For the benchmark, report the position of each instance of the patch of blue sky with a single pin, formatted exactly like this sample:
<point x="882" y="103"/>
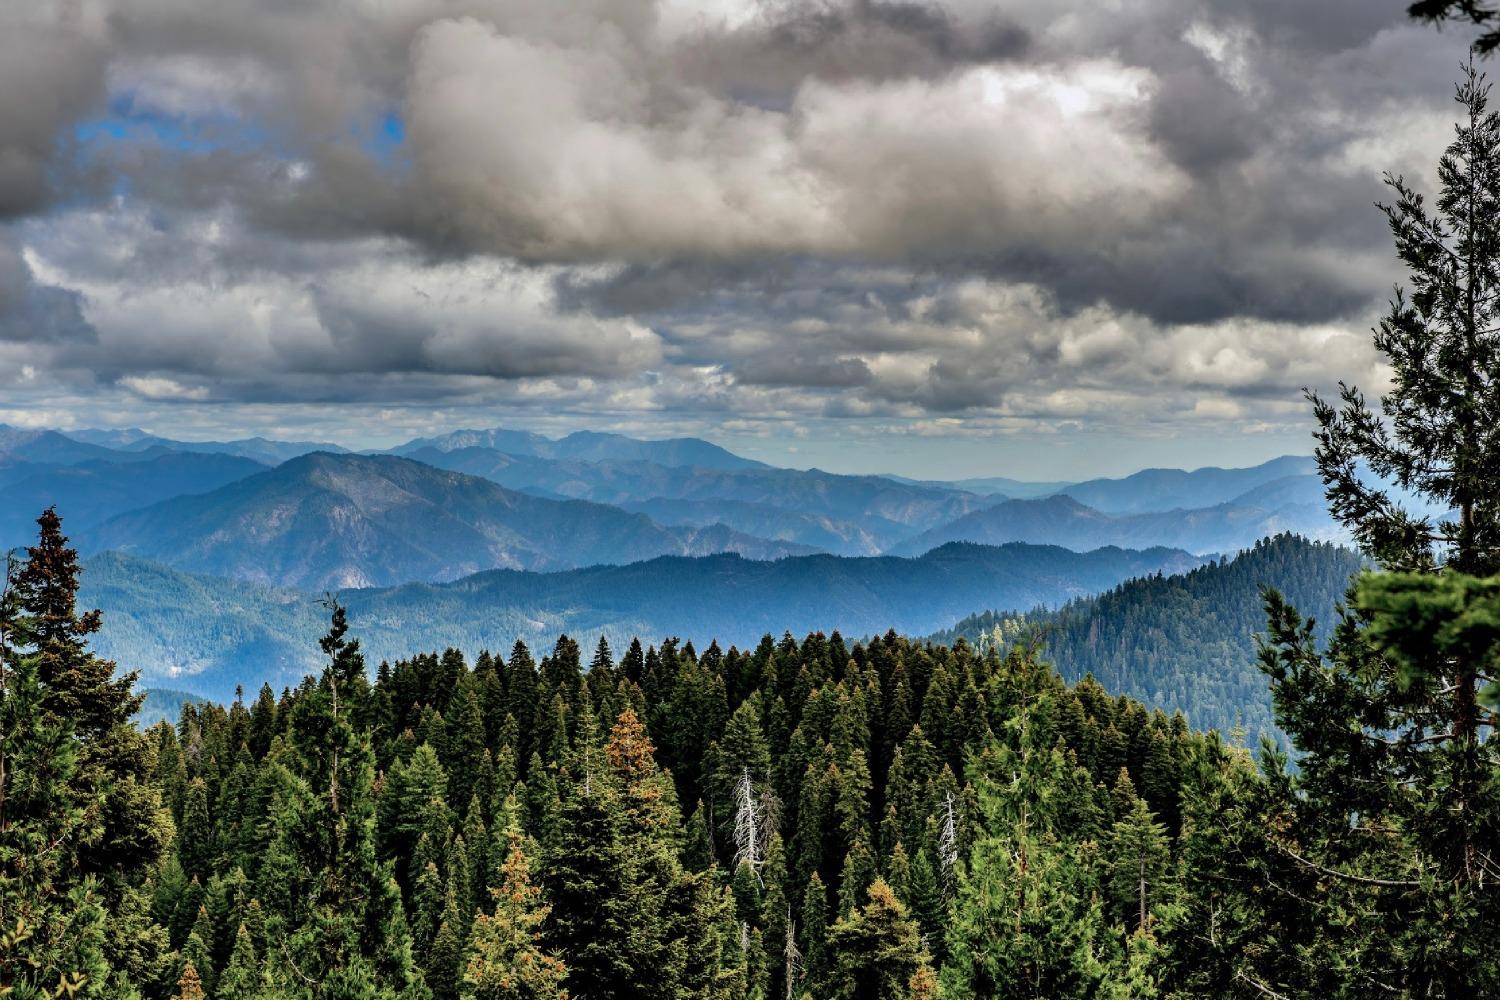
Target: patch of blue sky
<point x="385" y="141"/>
<point x="127" y="130"/>
<point x="125" y="124"/>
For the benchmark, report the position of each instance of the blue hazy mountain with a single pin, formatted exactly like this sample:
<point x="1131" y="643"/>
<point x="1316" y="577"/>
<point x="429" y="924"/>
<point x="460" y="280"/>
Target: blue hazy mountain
<point x="1015" y="489"/>
<point x="1062" y="520"/>
<point x="206" y="634"/>
<point x="587" y="446"/>
<point x="847" y="515"/>
<point x="23" y="444"/>
<point x="1171" y="489"/>
<point x="324" y="520"/>
<point x="263" y="450"/>
<point x="93" y="491"/>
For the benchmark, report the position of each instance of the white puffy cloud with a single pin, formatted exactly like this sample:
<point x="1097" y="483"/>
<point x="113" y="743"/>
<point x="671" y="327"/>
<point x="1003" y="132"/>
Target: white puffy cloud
<point x="542" y="150"/>
<point x="231" y="321"/>
<point x="892" y="216"/>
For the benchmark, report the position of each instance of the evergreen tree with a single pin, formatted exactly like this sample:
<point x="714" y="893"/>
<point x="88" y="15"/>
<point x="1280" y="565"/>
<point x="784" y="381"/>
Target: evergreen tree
<point x="876" y="949"/>
<point x="80" y="687"/>
<point x="506" y="960"/>
<point x="815" y="960"/>
<point x="195" y="951"/>
<point x="242" y="978"/>
<point x="327" y="830"/>
<point x="1138" y="857"/>
<point x="588" y="879"/>
<point x="445" y="958"/>
<point x="1394" y="812"/>
<point x="190" y="987"/>
<point x="1027" y="919"/>
<point x="81" y="821"/>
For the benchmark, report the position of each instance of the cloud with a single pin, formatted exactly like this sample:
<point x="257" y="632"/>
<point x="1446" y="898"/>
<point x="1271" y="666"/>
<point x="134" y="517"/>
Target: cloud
<point x="52" y="72"/>
<point x="549" y="152"/>
<point x="230" y="316"/>
<point x="157" y="388"/>
<point x="865" y="213"/>
<point x="34" y="313"/>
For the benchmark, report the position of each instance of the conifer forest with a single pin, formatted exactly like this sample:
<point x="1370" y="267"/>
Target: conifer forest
<point x="484" y="716"/>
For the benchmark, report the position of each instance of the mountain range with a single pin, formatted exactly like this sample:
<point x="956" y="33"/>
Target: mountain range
<point x="260" y="449"/>
<point x="587" y="446"/>
<point x="1171" y="489"/>
<point x="847" y="515"/>
<point x="96" y="490"/>
<point x="1270" y="509"/>
<point x="208" y="557"/>
<point x="206" y="634"/>
<point x="329" y="521"/>
<point x="271" y="512"/>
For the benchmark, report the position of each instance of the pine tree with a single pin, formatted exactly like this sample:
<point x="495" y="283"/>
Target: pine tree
<point x="428" y="900"/>
<point x="407" y="803"/>
<point x="815" y="960"/>
<point x="1025" y="925"/>
<point x="589" y="880"/>
<point x="194" y="839"/>
<point x="190" y="987"/>
<point x="1394" y="811"/>
<point x="506" y="960"/>
<point x="1138" y="856"/>
<point x="1027" y="919"/>
<point x="445" y="959"/>
<point x="326" y="830"/>
<point x="242" y="978"/>
<point x="81" y="822"/>
<point x="876" y="950"/>
<point x="477" y="840"/>
<point x="113" y="756"/>
<point x="464" y="725"/>
<point x="195" y="951"/>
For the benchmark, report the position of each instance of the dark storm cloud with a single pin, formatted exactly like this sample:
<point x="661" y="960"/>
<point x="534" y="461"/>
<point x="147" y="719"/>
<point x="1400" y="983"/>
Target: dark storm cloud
<point x="805" y="371"/>
<point x="1039" y="208"/>
<point x="33" y="313"/>
<point x="768" y="57"/>
<point x="51" y="74"/>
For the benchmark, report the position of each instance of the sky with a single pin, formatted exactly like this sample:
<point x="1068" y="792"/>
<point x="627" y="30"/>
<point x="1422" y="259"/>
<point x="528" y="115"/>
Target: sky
<point x="1046" y="239"/>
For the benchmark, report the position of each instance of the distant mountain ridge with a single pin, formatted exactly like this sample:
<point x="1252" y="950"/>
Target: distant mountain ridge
<point x="324" y="520"/>
<point x="701" y="495"/>
<point x="848" y="515"/>
<point x="1014" y="489"/>
<point x="51" y="447"/>
<point x="1063" y="520"/>
<point x="1152" y="490"/>
<point x="588" y="446"/>
<point x="95" y="490"/>
<point x="207" y="634"/>
<point x="263" y="450"/>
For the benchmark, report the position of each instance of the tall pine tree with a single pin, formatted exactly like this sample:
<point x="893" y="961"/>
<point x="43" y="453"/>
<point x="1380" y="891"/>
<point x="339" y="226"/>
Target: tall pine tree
<point x="1394" y="813"/>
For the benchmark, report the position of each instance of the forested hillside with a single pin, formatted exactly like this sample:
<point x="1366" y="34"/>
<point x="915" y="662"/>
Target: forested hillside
<point x="885" y="819"/>
<point x="1184" y="642"/>
<point x="670" y="822"/>
<point x="210" y="634"/>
